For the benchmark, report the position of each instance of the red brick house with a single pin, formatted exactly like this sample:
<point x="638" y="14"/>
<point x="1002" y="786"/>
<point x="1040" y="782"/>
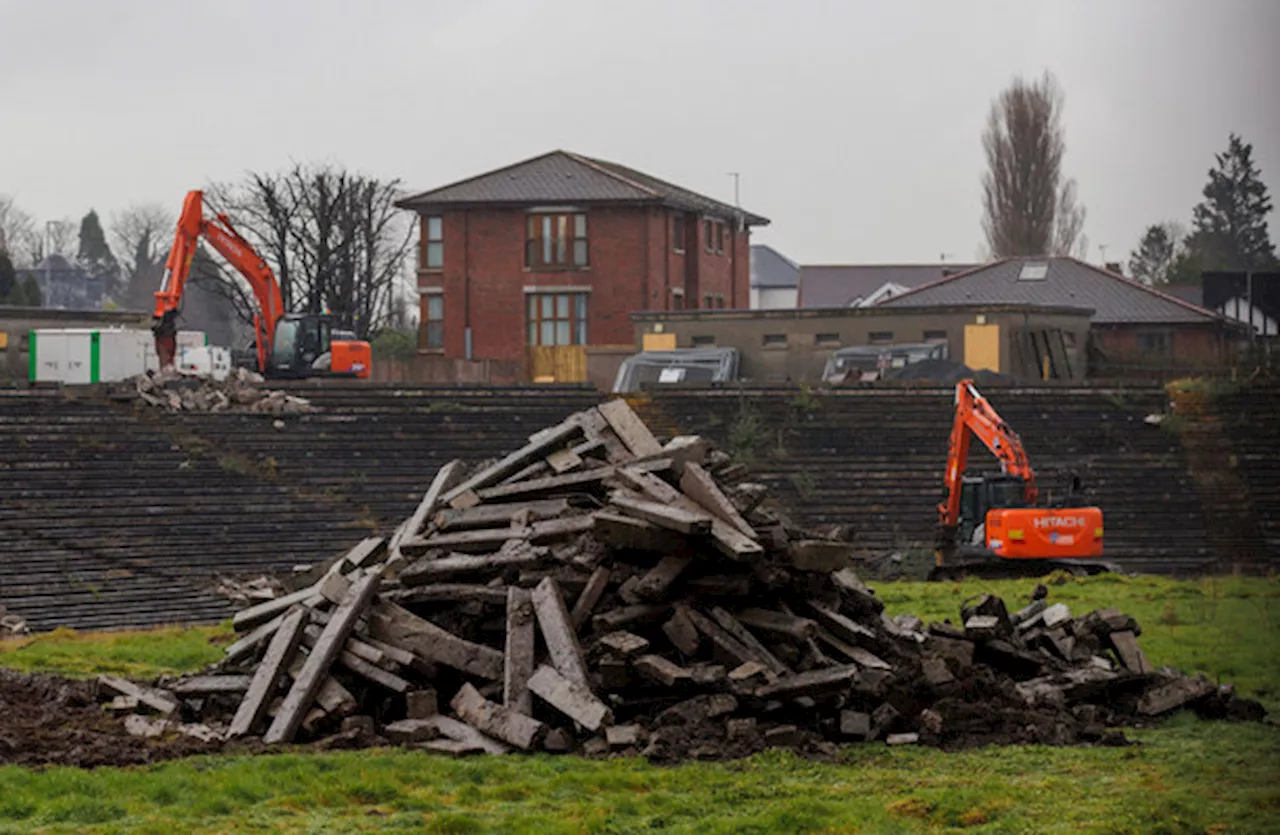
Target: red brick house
<point x="530" y="267"/>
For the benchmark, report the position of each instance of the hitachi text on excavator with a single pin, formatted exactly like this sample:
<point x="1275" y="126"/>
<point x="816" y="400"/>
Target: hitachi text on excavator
<point x="286" y="345"/>
<point x="990" y="525"/>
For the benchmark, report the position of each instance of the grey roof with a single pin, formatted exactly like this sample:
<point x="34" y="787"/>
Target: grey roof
<point x="1114" y="298"/>
<point x="1193" y="293"/>
<point x="770" y="268"/>
<point x="562" y="176"/>
<point x="840" y="285"/>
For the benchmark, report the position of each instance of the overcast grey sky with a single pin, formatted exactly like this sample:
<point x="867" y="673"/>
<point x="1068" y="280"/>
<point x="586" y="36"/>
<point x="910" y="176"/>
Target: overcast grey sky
<point x="855" y="125"/>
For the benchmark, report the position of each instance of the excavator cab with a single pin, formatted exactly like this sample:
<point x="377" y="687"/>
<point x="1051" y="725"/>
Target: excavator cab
<point x="979" y="494"/>
<point x="305" y="346"/>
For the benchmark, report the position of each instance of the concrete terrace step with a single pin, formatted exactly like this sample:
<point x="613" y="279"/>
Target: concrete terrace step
<point x="107" y="506"/>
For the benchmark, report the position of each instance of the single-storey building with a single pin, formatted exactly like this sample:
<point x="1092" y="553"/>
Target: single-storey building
<point x="1134" y="327"/>
<point x="525" y="270"/>
<point x="1026" y="341"/>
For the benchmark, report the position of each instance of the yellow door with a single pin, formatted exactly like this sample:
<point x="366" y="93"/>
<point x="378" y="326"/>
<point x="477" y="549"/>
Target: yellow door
<point x="558" y="363"/>
<point x="659" y="342"/>
<point x="982" y="347"/>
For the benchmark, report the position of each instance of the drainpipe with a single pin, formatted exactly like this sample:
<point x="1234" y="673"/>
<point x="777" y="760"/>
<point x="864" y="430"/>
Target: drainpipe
<point x="733" y="262"/>
<point x="466" y="282"/>
<point x="644" y="282"/>
<point x="666" y="262"/>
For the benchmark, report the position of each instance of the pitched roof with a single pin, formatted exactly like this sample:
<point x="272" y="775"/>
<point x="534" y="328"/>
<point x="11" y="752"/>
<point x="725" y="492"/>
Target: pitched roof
<point x="562" y="176"/>
<point x="1114" y="298"/>
<point x="840" y="285"/>
<point x="770" y="268"/>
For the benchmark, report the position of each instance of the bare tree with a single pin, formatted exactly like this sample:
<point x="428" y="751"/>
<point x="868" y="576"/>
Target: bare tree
<point x="17" y="230"/>
<point x="142" y="235"/>
<point x="1027" y="207"/>
<point x="333" y="238"/>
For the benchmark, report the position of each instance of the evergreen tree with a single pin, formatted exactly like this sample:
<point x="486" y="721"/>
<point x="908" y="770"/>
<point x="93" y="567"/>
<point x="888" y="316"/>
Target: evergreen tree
<point x="1229" y="227"/>
<point x="27" y="294"/>
<point x="1154" y="259"/>
<point x="8" y="277"/>
<point x="95" y="255"/>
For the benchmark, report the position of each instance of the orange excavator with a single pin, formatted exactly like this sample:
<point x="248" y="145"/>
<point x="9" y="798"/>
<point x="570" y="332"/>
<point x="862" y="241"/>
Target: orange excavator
<point x="990" y="525"/>
<point x="286" y="345"/>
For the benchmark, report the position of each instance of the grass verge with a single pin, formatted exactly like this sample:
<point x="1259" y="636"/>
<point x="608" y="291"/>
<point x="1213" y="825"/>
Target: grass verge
<point x="1189" y="777"/>
<point x="138" y="654"/>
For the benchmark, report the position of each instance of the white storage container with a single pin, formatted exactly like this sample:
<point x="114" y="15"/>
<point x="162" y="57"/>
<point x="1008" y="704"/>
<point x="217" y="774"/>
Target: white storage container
<point x="76" y="356"/>
<point x="191" y="339"/>
<point x="204" y="361"/>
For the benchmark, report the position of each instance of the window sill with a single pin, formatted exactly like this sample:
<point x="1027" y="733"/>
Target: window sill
<point x="557" y="269"/>
<point x="431" y="352"/>
<point x="430" y="270"/>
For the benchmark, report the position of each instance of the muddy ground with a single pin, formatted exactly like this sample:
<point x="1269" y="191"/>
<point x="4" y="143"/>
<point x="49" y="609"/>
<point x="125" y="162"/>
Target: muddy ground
<point x="50" y="720"/>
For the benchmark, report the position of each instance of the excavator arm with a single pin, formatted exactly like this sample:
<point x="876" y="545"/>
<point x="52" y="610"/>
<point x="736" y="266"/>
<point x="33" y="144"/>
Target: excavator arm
<point x="231" y="245"/>
<point x="974" y="416"/>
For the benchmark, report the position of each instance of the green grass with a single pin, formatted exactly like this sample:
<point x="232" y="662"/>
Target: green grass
<point x="1185" y="776"/>
<point x="141" y="654"/>
<point x="1190" y="777"/>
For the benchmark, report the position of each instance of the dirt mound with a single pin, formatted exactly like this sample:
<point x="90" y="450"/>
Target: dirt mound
<point x="49" y="720"/>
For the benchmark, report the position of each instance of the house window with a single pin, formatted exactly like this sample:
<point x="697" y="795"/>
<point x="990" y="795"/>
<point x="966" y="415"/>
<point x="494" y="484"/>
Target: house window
<point x="557" y="319"/>
<point x="707" y="242"/>
<point x="774" y="340"/>
<point x="432" y="322"/>
<point x="935" y="336"/>
<point x="719" y="238"/>
<point x="677" y="299"/>
<point x="677" y="233"/>
<point x="704" y="341"/>
<point x="827" y="340"/>
<point x="880" y="337"/>
<point x="433" y="243"/>
<point x="713" y="301"/>
<point x="1154" y="342"/>
<point x="556" y="241"/>
<point x="719" y="299"/>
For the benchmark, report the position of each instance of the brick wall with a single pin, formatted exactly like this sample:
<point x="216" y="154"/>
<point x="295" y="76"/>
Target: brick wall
<point x="634" y="265"/>
<point x="1184" y="345"/>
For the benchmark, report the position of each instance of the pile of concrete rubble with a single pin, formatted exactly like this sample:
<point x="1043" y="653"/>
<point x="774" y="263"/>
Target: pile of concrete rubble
<point x="599" y="592"/>
<point x="241" y="390"/>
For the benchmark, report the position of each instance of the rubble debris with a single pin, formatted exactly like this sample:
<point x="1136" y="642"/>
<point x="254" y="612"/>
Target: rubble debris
<point x="11" y="625"/>
<point x="241" y="391"/>
<point x="600" y="592"/>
